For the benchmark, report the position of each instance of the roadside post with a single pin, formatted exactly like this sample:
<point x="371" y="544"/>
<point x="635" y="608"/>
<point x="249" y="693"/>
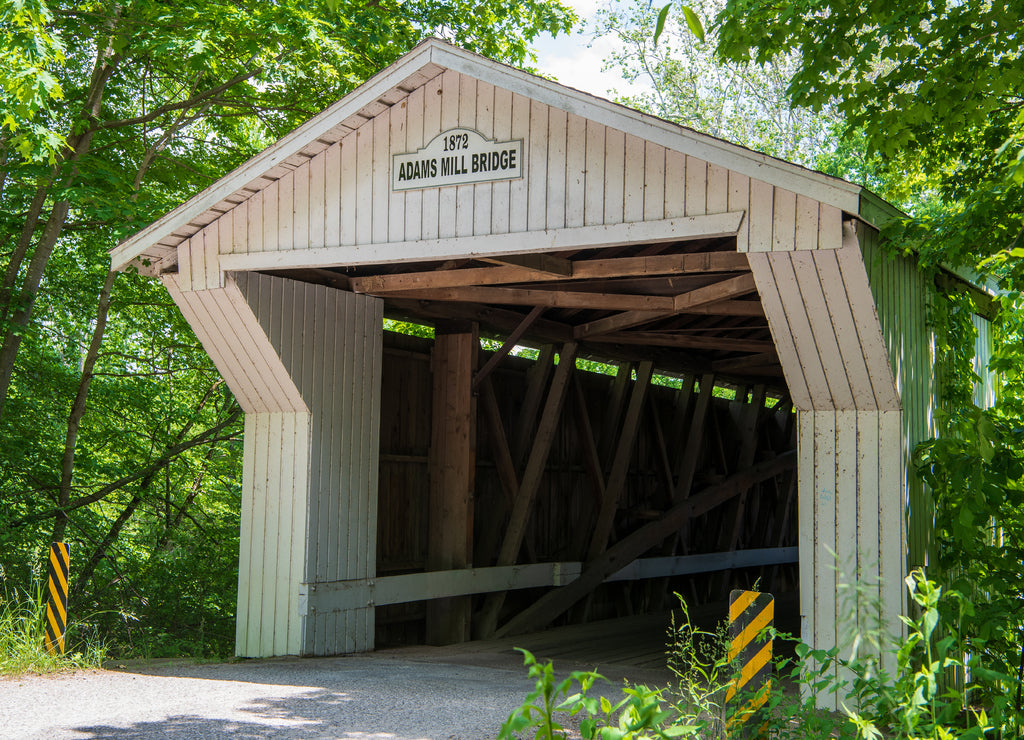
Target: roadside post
<point x="749" y="613"/>
<point x="57" y="597"/>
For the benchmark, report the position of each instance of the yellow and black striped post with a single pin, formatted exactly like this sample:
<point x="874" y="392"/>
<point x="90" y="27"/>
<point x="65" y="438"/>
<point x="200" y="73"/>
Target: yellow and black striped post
<point x="57" y="598"/>
<point x="749" y="613"/>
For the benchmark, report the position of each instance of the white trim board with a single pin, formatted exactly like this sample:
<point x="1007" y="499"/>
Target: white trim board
<point x="549" y="240"/>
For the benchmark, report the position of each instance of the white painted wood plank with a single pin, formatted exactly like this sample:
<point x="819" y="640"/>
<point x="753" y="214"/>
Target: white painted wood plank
<point x="254" y="238"/>
<point x="271" y="211"/>
<point x="316" y="212"/>
<point x="841" y="315"/>
<point x="349" y="185"/>
<point x="676" y="229"/>
<point x="347" y="432"/>
<point x="381" y="178"/>
<point x="633" y="182"/>
<point x="739" y="200"/>
<point x="823" y="333"/>
<point x="869" y="330"/>
<point x="696" y="186"/>
<point x="718" y="189"/>
<point x="271" y="536"/>
<point x="450" y="109"/>
<point x="500" y="191"/>
<point x="830" y="227"/>
<point x="300" y="504"/>
<point x="259" y="527"/>
<point x="825" y="529"/>
<point x="483" y="193"/>
<point x="783" y="221"/>
<point x="556" y="170"/>
<point x="675" y="185"/>
<point x="846" y="534"/>
<point x="761" y="216"/>
<point x="301" y="206"/>
<point x="782" y="334"/>
<point x="615" y="176"/>
<point x="364" y="184"/>
<point x="398" y="145"/>
<point x="575" y="170"/>
<point x="654" y="182"/>
<point x="433" y="92"/>
<point x="806" y="223"/>
<point x="286" y="212"/>
<point x="805" y="524"/>
<point x="196" y="275"/>
<point x="594" y="176"/>
<point x="868" y="519"/>
<point x="245" y="551"/>
<point x="185" y="268"/>
<point x="239" y="228"/>
<point x="332" y="197"/>
<point x="800" y="330"/>
<point x="464" y="211"/>
<point x="414" y="141"/>
<point x="211" y="248"/>
<point x="536" y="156"/>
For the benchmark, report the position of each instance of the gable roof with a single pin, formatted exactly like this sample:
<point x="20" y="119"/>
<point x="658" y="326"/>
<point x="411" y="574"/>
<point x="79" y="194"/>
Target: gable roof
<point x="153" y="249"/>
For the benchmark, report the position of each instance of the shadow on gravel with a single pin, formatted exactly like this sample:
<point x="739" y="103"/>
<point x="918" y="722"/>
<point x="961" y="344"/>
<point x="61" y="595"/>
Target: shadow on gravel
<point x="319" y="714"/>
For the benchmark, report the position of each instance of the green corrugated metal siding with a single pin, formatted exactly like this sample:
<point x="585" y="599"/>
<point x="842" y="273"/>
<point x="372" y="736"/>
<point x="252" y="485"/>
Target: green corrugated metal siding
<point x="901" y="298"/>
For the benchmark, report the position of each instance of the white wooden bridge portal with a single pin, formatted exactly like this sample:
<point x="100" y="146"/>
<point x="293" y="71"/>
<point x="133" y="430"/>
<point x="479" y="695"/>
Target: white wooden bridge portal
<point x="457" y="192"/>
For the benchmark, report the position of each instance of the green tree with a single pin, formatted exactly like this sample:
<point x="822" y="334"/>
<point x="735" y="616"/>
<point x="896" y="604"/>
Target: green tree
<point x="117" y="433"/>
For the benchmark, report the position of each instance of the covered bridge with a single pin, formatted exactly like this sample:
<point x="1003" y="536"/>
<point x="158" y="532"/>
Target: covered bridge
<point x="771" y="369"/>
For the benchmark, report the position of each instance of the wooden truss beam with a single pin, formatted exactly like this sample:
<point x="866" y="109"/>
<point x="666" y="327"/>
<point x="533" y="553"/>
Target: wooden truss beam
<point x="667" y="264"/>
<point x="548" y="298"/>
<point x="508" y="345"/>
<point x="720" y="291"/>
<point x="530" y="482"/>
<point x="686" y="341"/>
<point x="538" y="262"/>
<point x="556" y="602"/>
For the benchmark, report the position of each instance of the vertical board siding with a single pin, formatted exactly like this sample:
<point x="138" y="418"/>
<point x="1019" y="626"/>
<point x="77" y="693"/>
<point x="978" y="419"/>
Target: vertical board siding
<point x="576" y="172"/>
<point x="335" y="360"/>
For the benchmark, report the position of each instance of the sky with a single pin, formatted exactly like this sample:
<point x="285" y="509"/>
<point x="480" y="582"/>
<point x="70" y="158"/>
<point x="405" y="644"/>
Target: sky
<point x="571" y="62"/>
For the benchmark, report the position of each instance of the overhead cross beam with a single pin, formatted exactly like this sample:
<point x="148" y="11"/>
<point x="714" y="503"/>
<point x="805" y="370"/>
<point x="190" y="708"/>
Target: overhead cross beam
<point x="720" y="291"/>
<point x="666" y="264"/>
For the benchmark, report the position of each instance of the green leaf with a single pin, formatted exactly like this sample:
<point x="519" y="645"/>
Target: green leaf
<point x="696" y="28"/>
<point x="659" y="27"/>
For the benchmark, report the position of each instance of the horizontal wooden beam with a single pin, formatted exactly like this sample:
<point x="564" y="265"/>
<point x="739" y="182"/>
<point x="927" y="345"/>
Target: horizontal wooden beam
<point x="720" y="291"/>
<point x="758" y="360"/>
<point x="338" y="596"/>
<point x="499" y="318"/>
<point x="686" y="341"/>
<point x="597" y="269"/>
<point x="547" y="298"/>
<point x="493" y="245"/>
<point x="538" y="262"/>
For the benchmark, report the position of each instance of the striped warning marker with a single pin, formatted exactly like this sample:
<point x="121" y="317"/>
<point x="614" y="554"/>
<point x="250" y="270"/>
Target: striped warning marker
<point x="57" y="598"/>
<point x="749" y="613"/>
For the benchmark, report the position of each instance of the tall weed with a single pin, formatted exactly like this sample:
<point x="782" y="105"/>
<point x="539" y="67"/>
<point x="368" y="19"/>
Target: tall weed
<point x="22" y="633"/>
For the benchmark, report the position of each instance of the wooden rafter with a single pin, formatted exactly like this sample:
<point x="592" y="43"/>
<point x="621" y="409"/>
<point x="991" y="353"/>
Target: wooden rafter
<point x="720" y="291"/>
<point x="548" y="298"/>
<point x="508" y="345"/>
<point x="711" y="262"/>
<point x="686" y="341"/>
<point x="539" y="262"/>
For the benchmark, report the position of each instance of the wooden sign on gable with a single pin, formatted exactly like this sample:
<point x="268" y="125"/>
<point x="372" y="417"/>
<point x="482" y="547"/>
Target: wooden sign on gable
<point x="458" y="156"/>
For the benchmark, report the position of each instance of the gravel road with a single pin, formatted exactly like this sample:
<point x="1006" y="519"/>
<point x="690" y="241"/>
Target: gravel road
<point x="380" y="696"/>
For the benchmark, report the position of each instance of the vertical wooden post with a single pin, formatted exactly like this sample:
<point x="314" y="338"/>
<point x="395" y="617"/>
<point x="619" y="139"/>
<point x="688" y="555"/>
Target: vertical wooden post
<point x="452" y="467"/>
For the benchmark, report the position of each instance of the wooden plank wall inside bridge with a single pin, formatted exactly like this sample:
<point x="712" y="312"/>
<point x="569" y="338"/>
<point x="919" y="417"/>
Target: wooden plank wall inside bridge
<point x="729" y="437"/>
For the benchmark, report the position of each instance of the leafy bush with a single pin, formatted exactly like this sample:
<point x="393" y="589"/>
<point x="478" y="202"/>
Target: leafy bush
<point x="931" y="692"/>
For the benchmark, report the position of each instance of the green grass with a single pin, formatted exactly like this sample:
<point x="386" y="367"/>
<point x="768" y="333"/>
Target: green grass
<point x="22" y="633"/>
